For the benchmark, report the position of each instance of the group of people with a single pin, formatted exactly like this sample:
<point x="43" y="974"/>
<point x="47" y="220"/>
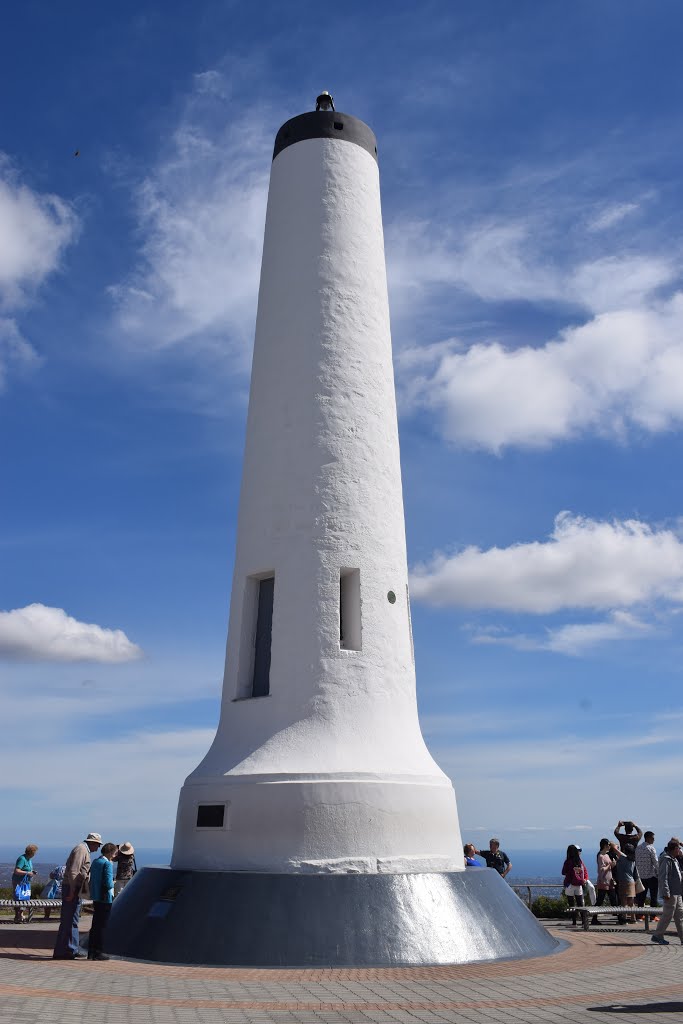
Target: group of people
<point x="629" y="871"/>
<point x="494" y="857"/>
<point x="82" y="874"/>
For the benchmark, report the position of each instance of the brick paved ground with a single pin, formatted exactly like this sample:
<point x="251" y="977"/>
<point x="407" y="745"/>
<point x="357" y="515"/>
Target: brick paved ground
<point x="602" y="976"/>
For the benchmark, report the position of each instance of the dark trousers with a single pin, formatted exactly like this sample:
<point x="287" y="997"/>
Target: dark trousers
<point x="100" y="917"/>
<point x="650" y="889"/>
<point x="67" y="936"/>
<point x="611" y="894"/>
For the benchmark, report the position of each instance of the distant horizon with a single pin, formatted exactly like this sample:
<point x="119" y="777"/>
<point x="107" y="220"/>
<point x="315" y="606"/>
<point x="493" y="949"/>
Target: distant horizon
<point x="535" y="281"/>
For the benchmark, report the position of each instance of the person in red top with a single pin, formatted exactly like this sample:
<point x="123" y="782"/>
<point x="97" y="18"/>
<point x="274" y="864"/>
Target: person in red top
<point x="575" y="874"/>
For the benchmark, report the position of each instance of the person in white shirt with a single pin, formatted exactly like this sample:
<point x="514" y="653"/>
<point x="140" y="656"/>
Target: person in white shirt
<point x="647" y="863"/>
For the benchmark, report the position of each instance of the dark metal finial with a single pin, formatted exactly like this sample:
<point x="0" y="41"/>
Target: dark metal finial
<point x="324" y="101"/>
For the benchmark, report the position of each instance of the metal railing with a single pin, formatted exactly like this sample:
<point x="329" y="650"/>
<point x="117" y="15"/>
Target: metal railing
<point x="517" y="886"/>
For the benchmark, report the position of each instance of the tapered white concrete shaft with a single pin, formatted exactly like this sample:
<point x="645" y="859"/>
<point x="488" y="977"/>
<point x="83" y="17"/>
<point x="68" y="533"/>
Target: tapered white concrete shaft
<point x="329" y="771"/>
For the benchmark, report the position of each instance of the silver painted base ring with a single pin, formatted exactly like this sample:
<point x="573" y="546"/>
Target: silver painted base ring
<point x="245" y="919"/>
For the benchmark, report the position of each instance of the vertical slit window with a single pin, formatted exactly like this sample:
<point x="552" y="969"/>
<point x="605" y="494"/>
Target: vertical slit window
<point x="349" y="610"/>
<point x="260" y="684"/>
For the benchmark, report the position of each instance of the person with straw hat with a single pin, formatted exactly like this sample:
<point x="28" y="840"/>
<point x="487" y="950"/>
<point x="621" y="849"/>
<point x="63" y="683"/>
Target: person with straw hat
<point x="125" y="866"/>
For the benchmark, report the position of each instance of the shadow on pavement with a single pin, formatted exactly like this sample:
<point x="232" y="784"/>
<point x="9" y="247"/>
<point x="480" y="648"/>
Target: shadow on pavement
<point x="638" y="1008"/>
<point x="26" y="937"/>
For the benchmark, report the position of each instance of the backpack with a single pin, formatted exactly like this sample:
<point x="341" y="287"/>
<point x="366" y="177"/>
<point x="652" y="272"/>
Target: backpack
<point x="578" y="874"/>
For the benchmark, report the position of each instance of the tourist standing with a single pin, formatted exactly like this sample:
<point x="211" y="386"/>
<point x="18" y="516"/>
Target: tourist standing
<point x="647" y="863"/>
<point x="605" y="885"/>
<point x="74" y="888"/>
<point x="496" y="858"/>
<point x="23" y="869"/>
<point x="631" y="834"/>
<point x="125" y="866"/>
<point x="627" y="876"/>
<point x="575" y="875"/>
<point x="470" y="852"/>
<point x="671" y="891"/>
<point x="102" y="892"/>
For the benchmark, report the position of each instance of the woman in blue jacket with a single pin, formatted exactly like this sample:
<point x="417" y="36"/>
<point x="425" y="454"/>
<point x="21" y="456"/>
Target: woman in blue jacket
<point x="102" y="893"/>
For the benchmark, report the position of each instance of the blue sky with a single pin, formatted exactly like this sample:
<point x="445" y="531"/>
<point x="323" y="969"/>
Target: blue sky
<point x="530" y="158"/>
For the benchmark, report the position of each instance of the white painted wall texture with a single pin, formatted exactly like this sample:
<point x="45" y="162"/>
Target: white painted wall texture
<point x="330" y="771"/>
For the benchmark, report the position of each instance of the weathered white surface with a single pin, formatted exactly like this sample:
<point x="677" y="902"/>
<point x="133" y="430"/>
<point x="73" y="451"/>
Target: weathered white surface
<point x="330" y="771"/>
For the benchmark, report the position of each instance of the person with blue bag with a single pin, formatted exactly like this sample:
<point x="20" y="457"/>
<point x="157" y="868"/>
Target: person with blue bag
<point x="53" y="891"/>
<point x="21" y="879"/>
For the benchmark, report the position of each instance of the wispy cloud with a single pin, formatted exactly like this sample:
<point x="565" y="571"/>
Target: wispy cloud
<point x="162" y="758"/>
<point x="610" y="215"/>
<point x="537" y="762"/>
<point x="527" y="314"/>
<point x="16" y="353"/>
<point x="574" y="638"/>
<point x="49" y="634"/>
<point x="200" y="215"/>
<point x="585" y="563"/>
<point x="35" y="230"/>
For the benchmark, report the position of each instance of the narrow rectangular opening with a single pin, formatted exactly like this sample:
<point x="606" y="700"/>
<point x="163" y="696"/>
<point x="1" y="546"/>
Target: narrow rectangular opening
<point x="260" y="683"/>
<point x="210" y="815"/>
<point x="349" y="610"/>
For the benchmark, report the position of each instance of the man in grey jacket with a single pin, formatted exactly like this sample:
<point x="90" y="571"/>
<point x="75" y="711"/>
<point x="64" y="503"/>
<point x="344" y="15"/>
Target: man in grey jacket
<point x="671" y="891"/>
<point x="74" y="888"/>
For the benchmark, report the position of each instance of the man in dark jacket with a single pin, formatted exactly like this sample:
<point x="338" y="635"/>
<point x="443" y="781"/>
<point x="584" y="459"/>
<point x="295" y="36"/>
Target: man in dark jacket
<point x="671" y="892"/>
<point x="496" y="858"/>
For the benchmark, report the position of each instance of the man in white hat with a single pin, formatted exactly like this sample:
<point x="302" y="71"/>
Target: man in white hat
<point x="125" y="866"/>
<point x="74" y="888"/>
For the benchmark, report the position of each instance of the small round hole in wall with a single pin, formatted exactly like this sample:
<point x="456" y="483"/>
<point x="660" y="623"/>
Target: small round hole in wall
<point x="391" y="597"/>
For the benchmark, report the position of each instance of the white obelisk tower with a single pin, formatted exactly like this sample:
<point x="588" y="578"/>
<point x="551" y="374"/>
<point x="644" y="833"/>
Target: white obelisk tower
<point x="318" y="829"/>
<point x="319" y="763"/>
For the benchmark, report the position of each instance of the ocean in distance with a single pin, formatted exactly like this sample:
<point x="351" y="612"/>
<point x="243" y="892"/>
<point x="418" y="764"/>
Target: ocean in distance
<point x="528" y="866"/>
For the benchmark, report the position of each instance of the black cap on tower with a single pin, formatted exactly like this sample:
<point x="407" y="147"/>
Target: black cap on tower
<point x="325" y="123"/>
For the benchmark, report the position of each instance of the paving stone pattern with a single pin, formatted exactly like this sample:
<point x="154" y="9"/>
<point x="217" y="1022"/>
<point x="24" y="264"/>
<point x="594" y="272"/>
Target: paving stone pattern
<point x="616" y="976"/>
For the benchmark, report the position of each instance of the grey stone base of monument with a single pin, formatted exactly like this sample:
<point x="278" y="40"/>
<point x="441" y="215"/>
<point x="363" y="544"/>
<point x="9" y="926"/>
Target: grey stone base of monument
<point x="245" y="919"/>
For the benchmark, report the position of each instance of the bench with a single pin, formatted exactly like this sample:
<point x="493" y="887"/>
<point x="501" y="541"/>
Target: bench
<point x="32" y="905"/>
<point x="587" y="913"/>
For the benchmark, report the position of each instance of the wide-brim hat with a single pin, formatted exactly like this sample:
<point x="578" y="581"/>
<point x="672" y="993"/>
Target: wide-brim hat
<point x="127" y="849"/>
<point x="94" y="837"/>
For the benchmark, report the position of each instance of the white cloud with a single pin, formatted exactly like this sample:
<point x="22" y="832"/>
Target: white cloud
<point x="585" y="563"/>
<point x="574" y="638"/>
<point x="15" y="350"/>
<point x="35" y="228"/>
<point x="49" y="634"/>
<point x="512" y="260"/>
<point x="611" y="215"/>
<point x="161" y="759"/>
<point x="200" y="213"/>
<point x="536" y="761"/>
<point x="620" y="371"/>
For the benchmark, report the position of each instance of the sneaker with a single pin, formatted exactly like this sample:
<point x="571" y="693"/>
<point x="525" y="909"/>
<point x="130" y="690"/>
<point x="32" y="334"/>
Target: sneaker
<point x="660" y="940"/>
<point x="100" y="956"/>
